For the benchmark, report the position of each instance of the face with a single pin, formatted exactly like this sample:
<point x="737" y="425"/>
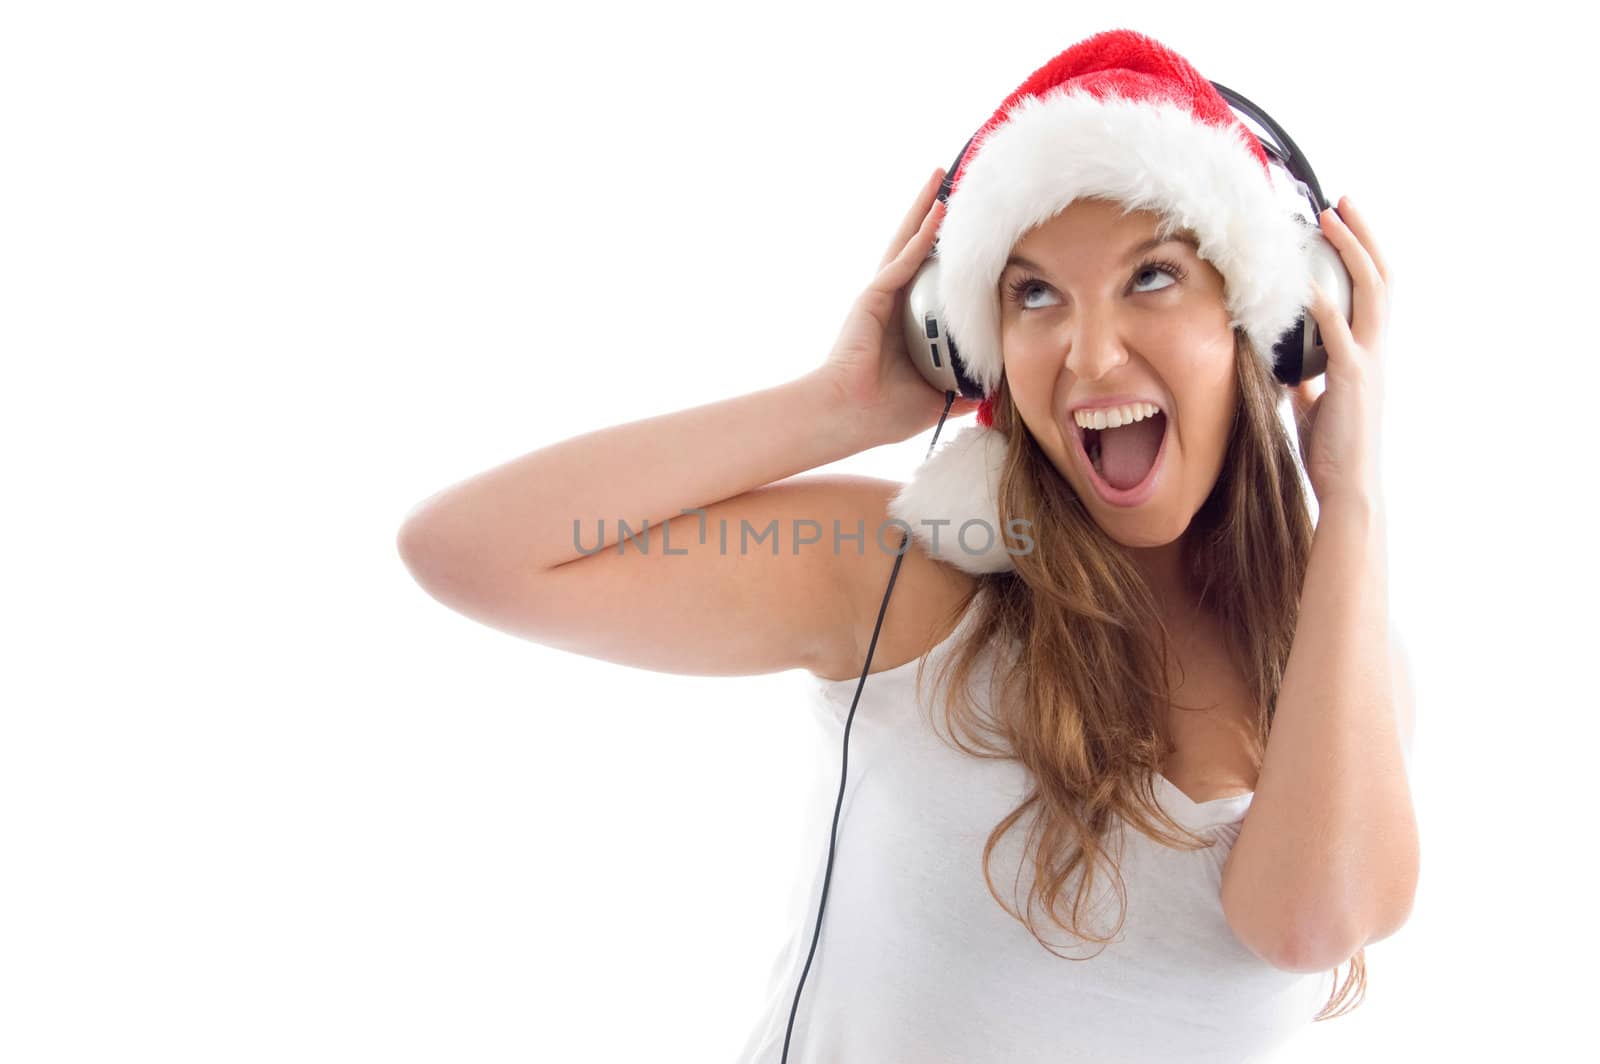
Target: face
<point x="1089" y="321"/>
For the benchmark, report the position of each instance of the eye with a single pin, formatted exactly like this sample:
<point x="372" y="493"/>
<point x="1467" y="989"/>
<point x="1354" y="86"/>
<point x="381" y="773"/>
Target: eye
<point x="1171" y="269"/>
<point x="1019" y="289"/>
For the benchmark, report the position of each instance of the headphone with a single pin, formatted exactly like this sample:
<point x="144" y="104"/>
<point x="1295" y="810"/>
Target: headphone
<point x="1298" y="355"/>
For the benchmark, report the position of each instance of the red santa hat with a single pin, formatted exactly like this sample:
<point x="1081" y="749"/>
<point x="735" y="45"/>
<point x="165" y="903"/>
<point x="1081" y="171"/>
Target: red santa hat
<point x="1117" y="116"/>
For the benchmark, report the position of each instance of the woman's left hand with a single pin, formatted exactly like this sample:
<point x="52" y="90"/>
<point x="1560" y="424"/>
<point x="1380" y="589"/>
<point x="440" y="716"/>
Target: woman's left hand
<point x="1339" y="423"/>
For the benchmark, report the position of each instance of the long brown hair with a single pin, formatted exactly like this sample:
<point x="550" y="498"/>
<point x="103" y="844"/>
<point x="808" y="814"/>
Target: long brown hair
<point x="1086" y="683"/>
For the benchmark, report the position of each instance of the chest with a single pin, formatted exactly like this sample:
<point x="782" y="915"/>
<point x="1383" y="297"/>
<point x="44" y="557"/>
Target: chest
<point x="1212" y="719"/>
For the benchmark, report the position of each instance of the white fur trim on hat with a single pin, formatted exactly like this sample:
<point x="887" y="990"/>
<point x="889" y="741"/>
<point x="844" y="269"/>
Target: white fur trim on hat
<point x="960" y="483"/>
<point x="1149" y="154"/>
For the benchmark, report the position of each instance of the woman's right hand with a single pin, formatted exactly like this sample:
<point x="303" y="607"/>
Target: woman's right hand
<point x="869" y="363"/>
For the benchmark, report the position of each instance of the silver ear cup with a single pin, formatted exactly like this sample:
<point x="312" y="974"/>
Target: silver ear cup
<point x="1300" y="354"/>
<point x="928" y="341"/>
<point x="1331" y="275"/>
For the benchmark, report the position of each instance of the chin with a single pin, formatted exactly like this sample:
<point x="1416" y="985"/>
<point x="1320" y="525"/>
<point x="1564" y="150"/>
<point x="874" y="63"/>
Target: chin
<point x="1146" y="528"/>
<point x="1158" y="522"/>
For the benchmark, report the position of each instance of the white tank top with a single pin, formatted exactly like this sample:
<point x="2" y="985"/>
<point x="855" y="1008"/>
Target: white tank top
<point x="917" y="963"/>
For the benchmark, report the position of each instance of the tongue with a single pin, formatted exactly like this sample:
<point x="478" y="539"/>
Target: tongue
<point x="1128" y="452"/>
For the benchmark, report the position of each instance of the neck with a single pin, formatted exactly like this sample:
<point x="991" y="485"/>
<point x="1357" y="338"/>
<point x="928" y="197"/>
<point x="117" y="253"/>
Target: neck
<point x="1164" y="573"/>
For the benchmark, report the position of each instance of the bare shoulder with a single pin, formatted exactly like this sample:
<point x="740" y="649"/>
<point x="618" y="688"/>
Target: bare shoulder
<point x="926" y="590"/>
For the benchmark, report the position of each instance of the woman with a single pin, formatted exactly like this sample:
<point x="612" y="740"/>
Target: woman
<point x="1058" y="865"/>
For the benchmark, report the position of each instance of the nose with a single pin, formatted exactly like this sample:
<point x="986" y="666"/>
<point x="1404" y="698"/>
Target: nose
<point x="1094" y="345"/>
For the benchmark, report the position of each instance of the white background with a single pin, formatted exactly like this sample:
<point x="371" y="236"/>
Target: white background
<point x="274" y="273"/>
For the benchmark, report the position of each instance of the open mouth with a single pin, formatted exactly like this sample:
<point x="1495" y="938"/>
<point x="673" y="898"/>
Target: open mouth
<point x="1122" y="462"/>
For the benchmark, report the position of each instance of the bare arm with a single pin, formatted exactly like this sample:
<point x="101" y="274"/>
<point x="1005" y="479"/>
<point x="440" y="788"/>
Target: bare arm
<point x="1327" y="859"/>
<point x="518" y="517"/>
<point x="500" y="547"/>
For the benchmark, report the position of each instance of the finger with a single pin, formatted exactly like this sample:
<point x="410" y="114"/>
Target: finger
<point x="1301" y="397"/>
<point x="1369" y="298"/>
<point x="895" y="273"/>
<point x="1362" y="269"/>
<point x="1313" y="388"/>
<point x="914" y="218"/>
<point x="1357" y="224"/>
<point x="1336" y="335"/>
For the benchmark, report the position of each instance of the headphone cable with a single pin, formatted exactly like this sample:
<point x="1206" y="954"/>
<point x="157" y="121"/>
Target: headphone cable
<point x="844" y="757"/>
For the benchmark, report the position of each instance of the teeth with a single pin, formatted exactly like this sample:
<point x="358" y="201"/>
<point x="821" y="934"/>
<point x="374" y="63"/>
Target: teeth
<point x="1114" y="416"/>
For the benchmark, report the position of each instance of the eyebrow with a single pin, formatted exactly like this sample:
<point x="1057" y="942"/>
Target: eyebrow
<point x="1184" y="236"/>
